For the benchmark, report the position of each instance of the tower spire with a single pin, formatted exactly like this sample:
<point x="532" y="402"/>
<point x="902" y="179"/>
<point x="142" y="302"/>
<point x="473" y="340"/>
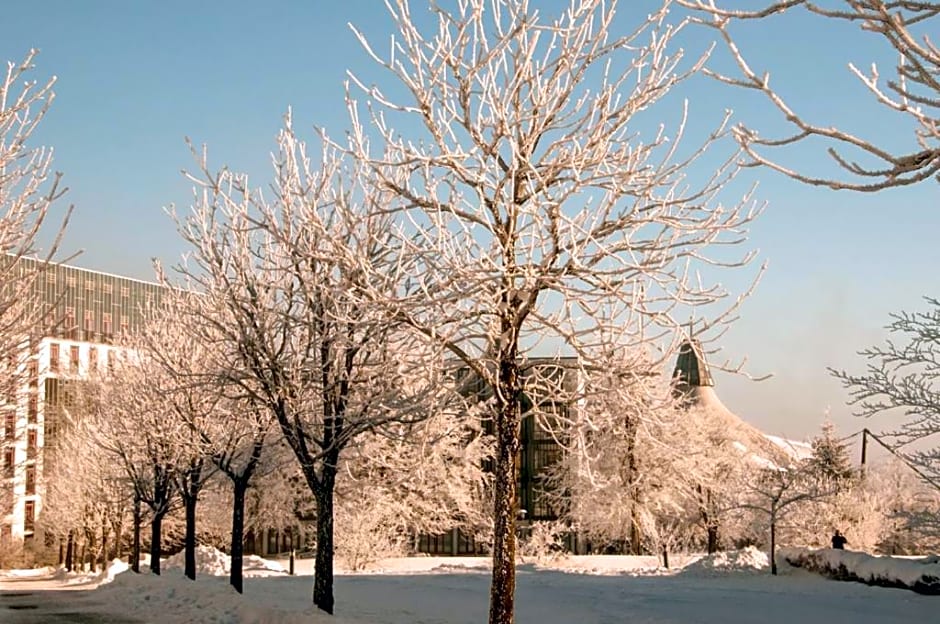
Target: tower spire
<point x="691" y="368"/>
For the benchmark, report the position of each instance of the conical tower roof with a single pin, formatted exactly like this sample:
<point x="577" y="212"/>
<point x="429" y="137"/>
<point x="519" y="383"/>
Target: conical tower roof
<point x="691" y="368"/>
<point x="694" y="386"/>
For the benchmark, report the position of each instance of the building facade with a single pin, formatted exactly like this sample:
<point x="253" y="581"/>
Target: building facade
<point x="83" y="316"/>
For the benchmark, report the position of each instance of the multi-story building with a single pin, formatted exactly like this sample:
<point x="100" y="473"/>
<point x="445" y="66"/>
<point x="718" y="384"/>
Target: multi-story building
<point x="84" y="313"/>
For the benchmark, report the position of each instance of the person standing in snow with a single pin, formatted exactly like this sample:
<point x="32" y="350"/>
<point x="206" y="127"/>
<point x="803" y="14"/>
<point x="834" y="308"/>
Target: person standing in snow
<point x="839" y="541"/>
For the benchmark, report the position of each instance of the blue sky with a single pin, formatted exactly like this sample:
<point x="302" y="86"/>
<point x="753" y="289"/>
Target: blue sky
<point x="135" y="78"/>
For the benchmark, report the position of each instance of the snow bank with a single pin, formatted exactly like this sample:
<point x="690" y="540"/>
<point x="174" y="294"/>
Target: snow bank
<point x="920" y="575"/>
<point x="209" y="560"/>
<point x="749" y="560"/>
<point x="118" y="566"/>
<point x="213" y="562"/>
<point x="172" y="599"/>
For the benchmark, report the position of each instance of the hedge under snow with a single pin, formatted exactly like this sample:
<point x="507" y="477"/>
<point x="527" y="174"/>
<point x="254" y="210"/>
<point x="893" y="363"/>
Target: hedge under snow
<point x="921" y="575"/>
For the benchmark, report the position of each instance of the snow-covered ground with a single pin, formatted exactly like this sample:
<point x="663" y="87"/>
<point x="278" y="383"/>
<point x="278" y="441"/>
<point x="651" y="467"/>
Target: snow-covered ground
<point x="728" y="588"/>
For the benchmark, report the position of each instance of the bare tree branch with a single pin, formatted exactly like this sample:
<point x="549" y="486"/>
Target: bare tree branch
<point x="913" y="92"/>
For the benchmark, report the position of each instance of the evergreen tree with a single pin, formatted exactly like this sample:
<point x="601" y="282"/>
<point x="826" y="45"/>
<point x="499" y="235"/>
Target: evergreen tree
<point x="831" y="455"/>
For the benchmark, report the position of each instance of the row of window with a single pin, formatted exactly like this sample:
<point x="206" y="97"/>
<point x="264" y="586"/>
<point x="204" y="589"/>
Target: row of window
<point x="9" y="433"/>
<point x="88" y="322"/>
<point x="8" y="459"/>
<point x="106" y="287"/>
<point x="32" y="405"/>
<point x="55" y="358"/>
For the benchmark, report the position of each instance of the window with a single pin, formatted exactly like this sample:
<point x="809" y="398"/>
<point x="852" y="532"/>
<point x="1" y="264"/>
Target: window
<point x="125" y="291"/>
<point x="51" y="393"/>
<point x="9" y="430"/>
<point x="125" y="324"/>
<point x="30" y="516"/>
<point x="106" y="324"/>
<point x="33" y="370"/>
<point x="32" y="408"/>
<point x="31" y="443"/>
<point x="70" y="322"/>
<point x="107" y="288"/>
<point x="89" y="324"/>
<point x="8" y="460"/>
<point x="73" y="358"/>
<point x="89" y="285"/>
<point x="50" y="277"/>
<point x="30" y="480"/>
<point x="70" y="280"/>
<point x="92" y="359"/>
<point x="54" y="357"/>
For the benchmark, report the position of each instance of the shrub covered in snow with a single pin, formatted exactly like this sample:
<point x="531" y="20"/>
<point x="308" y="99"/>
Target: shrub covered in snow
<point x="543" y="540"/>
<point x="920" y="575"/>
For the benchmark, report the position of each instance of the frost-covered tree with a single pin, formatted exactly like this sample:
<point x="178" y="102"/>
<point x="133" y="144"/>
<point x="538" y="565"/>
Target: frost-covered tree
<point x="909" y="509"/>
<point x="912" y="91"/>
<point x="901" y="378"/>
<point x="28" y="191"/>
<point x="132" y="422"/>
<point x="238" y="445"/>
<point x="281" y="307"/>
<point x="615" y="476"/>
<point x="222" y="432"/>
<point x="775" y="492"/>
<point x="538" y="216"/>
<point x="85" y="492"/>
<point x="425" y="478"/>
<point x="170" y="362"/>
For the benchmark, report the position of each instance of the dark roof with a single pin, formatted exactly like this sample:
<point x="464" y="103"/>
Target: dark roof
<point x="691" y="367"/>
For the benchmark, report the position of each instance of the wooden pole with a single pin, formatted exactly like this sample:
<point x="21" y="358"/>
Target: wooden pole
<point x="864" y="449"/>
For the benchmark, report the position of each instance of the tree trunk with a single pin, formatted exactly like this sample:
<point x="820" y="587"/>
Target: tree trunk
<point x="190" y="543"/>
<point x="712" y="539"/>
<point x="503" y="585"/>
<point x="711" y="524"/>
<point x="61" y="552"/>
<point x="135" y="549"/>
<point x="238" y="533"/>
<point x="104" y="545"/>
<point x="70" y="551"/>
<point x="665" y="556"/>
<point x="323" y="567"/>
<point x="636" y="533"/>
<point x="117" y="528"/>
<point x="773" y="546"/>
<point x="291" y="568"/>
<point x="156" y="529"/>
